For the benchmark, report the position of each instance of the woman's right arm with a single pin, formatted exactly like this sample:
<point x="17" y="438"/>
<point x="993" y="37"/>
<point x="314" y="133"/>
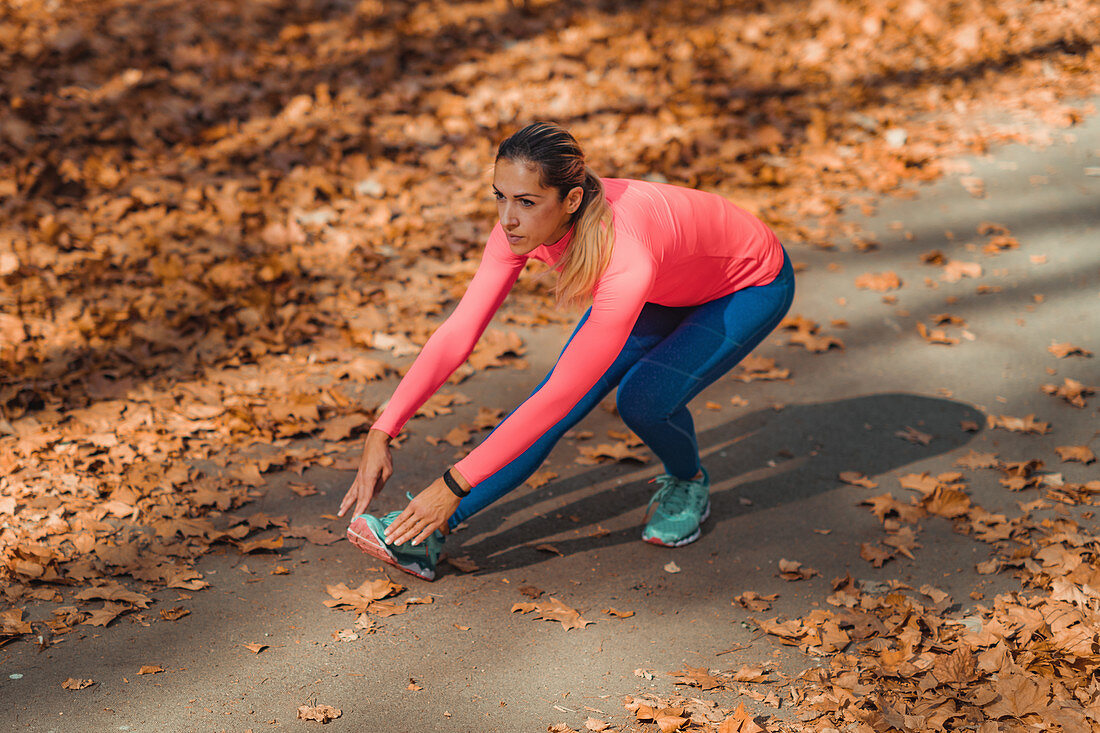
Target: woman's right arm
<point x="446" y="349"/>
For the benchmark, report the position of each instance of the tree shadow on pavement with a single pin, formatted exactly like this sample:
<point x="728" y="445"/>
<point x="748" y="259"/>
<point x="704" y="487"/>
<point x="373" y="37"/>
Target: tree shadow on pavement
<point x="769" y="457"/>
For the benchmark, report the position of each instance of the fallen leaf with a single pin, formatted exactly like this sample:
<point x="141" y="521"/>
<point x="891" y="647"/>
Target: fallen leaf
<point x="462" y="563"/>
<point x="270" y="543"/>
<point x="880" y="281"/>
<point x="320" y="713"/>
<point x="857" y="479"/>
<point x="1066" y="349"/>
<point x="360" y="599"/>
<point x="1071" y="391"/>
<point x="617" y="613"/>
<point x="255" y="648"/>
<point x="793" y="570"/>
<point x="150" y="669"/>
<point x="1080" y="453"/>
<point x="914" y="436"/>
<point x="753" y="601"/>
<point x="554" y="610"/>
<point x="547" y="547"/>
<point x="618" y="452"/>
<point x="697" y="677"/>
<point x="541" y="478"/>
<point x="174" y="614"/>
<point x="955" y="270"/>
<point x="671" y="567"/>
<point x="874" y="554"/>
<point x="1018" y="424"/>
<point x="75" y="684"/>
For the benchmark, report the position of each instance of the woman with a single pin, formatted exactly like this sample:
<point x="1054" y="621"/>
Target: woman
<point x="683" y="285"/>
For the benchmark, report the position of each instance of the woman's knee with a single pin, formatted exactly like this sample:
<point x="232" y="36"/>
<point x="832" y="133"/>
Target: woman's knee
<point x="638" y="406"/>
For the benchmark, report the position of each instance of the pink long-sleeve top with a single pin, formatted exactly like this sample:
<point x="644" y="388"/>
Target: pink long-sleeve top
<point x="673" y="246"/>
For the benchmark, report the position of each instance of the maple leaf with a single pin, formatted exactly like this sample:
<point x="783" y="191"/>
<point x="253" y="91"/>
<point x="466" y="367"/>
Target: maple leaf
<point x="1071" y="391"/>
<point x="874" y="554"/>
<point x="554" y="610"/>
<point x="462" y="563"/>
<point x="814" y="342"/>
<point x="880" y="281"/>
<point x="857" y="479"/>
<point x="320" y="713"/>
<point x="793" y="570"/>
<point x="1080" y="453"/>
<point x="173" y="614"/>
<point x="541" y="478"/>
<point x="739" y="722"/>
<point x="936" y="335"/>
<point x="106" y="614"/>
<point x="150" y="669"/>
<point x="315" y="535"/>
<point x="753" y="601"/>
<point x="269" y="543"/>
<point x="974" y="459"/>
<point x="955" y="270"/>
<point x="904" y="540"/>
<point x="914" y="436"/>
<point x="1066" y="349"/>
<point x="75" y="684"/>
<point x="946" y="502"/>
<point x="618" y="452"/>
<point x="697" y="677"/>
<point x="1026" y="424"/>
<point x="617" y="613"/>
<point x="359" y="599"/>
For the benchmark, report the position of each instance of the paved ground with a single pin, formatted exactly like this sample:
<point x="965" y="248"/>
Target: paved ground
<point x="774" y="462"/>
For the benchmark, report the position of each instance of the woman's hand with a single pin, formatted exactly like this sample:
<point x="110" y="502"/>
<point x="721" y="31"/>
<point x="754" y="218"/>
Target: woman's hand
<point x="375" y="469"/>
<point x="426" y="513"/>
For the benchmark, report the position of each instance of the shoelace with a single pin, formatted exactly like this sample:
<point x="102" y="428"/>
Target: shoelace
<point x="667" y="496"/>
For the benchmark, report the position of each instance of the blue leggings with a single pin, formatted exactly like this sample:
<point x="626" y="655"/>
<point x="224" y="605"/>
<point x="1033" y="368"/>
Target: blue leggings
<point x="670" y="356"/>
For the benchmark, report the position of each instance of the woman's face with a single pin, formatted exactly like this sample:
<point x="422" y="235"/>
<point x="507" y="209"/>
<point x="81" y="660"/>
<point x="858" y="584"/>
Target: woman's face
<point x="530" y="213"/>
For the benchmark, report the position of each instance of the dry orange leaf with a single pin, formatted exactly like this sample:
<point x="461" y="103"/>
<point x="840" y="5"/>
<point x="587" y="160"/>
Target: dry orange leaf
<point x="879" y="281"/>
<point x="1066" y="349"/>
<point x="1080" y="453"/>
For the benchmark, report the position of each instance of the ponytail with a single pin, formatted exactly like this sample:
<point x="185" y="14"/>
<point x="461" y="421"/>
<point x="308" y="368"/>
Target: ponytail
<point x="560" y="161"/>
<point x="590" y="247"/>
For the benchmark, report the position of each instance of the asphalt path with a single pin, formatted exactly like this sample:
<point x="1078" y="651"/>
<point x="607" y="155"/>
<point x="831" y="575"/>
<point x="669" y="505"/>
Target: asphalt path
<point x="774" y="458"/>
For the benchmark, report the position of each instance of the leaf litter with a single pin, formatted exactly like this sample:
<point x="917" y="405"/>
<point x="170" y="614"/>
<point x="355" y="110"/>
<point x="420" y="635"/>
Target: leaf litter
<point x="131" y="372"/>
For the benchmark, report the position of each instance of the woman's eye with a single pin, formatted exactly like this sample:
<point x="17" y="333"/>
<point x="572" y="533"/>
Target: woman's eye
<point x="526" y="203"/>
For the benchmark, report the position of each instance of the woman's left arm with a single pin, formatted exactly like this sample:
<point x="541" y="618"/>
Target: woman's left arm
<point x="617" y="301"/>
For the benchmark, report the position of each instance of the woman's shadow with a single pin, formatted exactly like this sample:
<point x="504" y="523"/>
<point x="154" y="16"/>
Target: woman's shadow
<point x="769" y="457"/>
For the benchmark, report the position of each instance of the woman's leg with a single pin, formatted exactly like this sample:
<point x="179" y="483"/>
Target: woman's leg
<point x="654" y="393"/>
<point x="654" y="323"/>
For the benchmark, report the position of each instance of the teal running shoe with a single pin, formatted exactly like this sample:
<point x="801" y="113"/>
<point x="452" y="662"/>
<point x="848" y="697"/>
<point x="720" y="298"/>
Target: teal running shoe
<point x="682" y="505"/>
<point x="368" y="533"/>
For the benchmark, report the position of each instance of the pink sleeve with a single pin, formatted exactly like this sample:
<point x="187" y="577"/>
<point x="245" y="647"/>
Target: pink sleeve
<point x="617" y="301"/>
<point x="455" y="338"/>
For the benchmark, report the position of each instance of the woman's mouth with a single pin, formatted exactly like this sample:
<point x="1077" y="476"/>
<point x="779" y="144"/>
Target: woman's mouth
<point x="513" y="238"/>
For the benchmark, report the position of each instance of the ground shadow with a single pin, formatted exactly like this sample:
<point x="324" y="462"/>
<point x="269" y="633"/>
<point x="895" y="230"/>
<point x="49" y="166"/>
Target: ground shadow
<point x="768" y="457"/>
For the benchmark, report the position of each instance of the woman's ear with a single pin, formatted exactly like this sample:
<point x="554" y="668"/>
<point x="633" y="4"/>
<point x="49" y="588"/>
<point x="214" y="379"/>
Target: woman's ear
<point x="573" y="199"/>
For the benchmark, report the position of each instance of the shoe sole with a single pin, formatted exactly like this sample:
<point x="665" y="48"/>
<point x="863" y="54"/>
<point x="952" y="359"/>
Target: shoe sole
<point x="686" y="540"/>
<point x="370" y="543"/>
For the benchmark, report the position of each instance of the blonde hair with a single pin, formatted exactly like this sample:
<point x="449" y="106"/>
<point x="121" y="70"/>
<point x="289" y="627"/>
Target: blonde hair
<point x="561" y="165"/>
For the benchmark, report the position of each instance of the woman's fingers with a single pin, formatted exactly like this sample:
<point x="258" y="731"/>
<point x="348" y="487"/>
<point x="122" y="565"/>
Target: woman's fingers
<point x="409" y="525"/>
<point x="397" y="526"/>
